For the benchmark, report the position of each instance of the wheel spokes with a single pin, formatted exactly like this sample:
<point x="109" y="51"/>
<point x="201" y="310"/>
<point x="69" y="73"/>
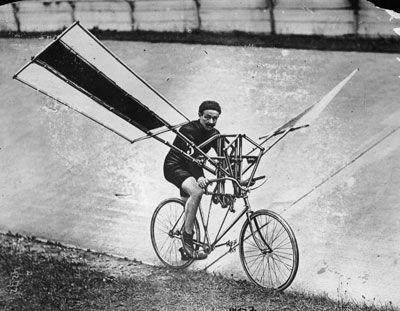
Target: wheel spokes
<point x="166" y="226"/>
<point x="271" y="266"/>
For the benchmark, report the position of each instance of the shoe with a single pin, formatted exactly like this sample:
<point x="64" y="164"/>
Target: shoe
<point x="184" y="257"/>
<point x="188" y="252"/>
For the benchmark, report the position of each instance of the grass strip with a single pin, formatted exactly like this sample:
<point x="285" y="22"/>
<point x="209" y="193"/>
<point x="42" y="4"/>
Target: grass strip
<point x="47" y="276"/>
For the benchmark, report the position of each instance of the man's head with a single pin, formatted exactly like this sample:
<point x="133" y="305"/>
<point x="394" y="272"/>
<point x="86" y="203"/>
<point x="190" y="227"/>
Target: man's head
<point x="209" y="112"/>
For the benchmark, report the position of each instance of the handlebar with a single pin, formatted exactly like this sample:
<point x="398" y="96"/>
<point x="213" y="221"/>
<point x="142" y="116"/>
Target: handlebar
<point x="239" y="184"/>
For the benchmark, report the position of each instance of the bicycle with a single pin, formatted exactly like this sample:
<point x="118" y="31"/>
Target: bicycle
<point x="267" y="245"/>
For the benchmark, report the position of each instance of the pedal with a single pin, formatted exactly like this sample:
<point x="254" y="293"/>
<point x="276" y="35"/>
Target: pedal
<point x="183" y="254"/>
<point x="232" y="246"/>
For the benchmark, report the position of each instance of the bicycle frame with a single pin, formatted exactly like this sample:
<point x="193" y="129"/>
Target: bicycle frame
<point x="219" y="235"/>
<point x="209" y="246"/>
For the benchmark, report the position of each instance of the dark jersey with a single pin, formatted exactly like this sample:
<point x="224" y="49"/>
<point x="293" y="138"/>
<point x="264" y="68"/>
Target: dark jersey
<point x="175" y="162"/>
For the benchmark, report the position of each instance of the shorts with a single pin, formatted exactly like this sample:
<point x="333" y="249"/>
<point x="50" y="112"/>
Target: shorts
<point x="177" y="175"/>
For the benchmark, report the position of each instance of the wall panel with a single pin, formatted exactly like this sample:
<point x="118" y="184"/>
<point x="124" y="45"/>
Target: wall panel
<point x="7" y="20"/>
<point x="375" y="22"/>
<point x="312" y="4"/>
<point x="105" y="15"/>
<point x="320" y="22"/>
<point x="301" y="17"/>
<point x="44" y="16"/>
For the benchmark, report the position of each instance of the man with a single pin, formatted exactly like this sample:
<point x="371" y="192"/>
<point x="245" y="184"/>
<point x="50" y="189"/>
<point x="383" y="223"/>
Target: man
<point x="188" y="176"/>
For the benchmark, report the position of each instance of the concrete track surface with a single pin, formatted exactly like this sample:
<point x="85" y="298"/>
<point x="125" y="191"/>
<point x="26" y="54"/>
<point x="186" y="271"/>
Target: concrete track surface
<point x="65" y="178"/>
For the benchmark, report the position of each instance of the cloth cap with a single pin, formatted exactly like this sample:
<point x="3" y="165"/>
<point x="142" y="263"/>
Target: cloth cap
<point x="209" y="104"/>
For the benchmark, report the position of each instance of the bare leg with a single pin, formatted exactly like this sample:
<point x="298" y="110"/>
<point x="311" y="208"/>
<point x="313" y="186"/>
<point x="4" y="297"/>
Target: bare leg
<point x="192" y="204"/>
<point x="191" y="187"/>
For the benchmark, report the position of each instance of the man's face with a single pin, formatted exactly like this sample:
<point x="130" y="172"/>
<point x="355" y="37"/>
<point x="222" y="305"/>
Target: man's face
<point x="208" y="119"/>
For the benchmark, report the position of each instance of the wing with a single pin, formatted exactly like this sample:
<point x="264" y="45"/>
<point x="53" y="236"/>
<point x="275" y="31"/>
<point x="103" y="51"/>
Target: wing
<point x="311" y="113"/>
<point x="77" y="70"/>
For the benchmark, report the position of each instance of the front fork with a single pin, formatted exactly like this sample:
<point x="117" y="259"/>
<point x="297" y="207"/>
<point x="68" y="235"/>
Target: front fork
<point x="255" y="229"/>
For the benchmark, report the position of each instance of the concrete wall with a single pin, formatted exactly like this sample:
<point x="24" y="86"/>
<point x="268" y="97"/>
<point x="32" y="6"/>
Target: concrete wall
<point x="306" y="17"/>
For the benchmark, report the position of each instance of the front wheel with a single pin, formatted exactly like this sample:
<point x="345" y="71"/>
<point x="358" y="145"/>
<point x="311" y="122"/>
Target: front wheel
<point x="268" y="250"/>
<point x="166" y="231"/>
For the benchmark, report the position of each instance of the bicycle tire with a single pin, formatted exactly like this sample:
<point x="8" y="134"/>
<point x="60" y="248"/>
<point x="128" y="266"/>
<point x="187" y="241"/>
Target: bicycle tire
<point x="274" y="268"/>
<point x="165" y="229"/>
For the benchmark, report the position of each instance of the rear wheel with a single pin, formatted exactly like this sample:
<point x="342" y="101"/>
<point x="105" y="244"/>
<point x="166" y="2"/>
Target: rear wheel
<point x="271" y="261"/>
<point x="166" y="231"/>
